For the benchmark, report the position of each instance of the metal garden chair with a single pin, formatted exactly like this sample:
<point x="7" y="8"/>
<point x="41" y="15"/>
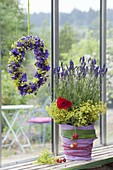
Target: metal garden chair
<point x="42" y="120"/>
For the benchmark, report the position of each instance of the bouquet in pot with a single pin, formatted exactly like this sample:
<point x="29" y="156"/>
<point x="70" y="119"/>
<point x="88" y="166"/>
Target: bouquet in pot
<point x="78" y="106"/>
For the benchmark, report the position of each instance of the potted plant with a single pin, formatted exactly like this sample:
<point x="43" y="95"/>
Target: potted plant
<point x="78" y="106"/>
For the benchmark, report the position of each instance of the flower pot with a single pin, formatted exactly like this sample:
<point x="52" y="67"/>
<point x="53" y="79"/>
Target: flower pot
<point x="77" y="141"/>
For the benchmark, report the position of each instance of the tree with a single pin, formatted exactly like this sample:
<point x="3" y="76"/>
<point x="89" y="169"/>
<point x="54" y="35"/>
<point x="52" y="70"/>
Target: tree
<point x="87" y="46"/>
<point x="67" y="38"/>
<point x="12" y="26"/>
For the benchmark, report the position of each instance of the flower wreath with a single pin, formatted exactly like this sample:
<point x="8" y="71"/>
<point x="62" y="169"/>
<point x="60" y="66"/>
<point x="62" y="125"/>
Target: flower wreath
<point x="15" y="67"/>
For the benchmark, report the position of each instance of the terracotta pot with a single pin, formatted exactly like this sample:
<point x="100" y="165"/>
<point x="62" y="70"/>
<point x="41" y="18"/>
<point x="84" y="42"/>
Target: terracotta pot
<point x="81" y="147"/>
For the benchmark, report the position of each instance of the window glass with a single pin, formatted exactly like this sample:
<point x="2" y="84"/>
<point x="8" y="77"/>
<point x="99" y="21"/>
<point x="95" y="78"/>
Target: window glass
<point x="79" y="33"/>
<point x="21" y="138"/>
<point x="109" y="61"/>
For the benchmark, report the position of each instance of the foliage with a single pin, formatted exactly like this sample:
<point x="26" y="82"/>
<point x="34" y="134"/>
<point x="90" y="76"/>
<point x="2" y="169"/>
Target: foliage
<point x="12" y="25"/>
<point x="109" y="78"/>
<point x="90" y="47"/>
<point x="81" y="86"/>
<point x="76" y="18"/>
<point x="45" y="158"/>
<point x="67" y="38"/>
<point x="48" y="158"/>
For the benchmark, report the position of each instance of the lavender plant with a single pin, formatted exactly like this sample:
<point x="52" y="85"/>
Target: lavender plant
<point x="79" y="83"/>
<point x="78" y="93"/>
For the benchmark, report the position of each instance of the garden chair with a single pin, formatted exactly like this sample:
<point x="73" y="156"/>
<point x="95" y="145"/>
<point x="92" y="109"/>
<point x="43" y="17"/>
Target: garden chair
<point x="14" y="112"/>
<point x="42" y="120"/>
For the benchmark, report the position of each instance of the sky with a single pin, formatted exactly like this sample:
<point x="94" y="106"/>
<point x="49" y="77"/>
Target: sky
<point x="64" y="5"/>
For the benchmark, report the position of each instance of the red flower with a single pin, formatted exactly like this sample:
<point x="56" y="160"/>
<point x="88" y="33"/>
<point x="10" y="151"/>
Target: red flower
<point x="62" y="103"/>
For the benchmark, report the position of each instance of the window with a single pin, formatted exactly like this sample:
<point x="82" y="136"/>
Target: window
<point x="70" y="29"/>
<point x="79" y="34"/>
<point x="109" y="56"/>
<point x="35" y="136"/>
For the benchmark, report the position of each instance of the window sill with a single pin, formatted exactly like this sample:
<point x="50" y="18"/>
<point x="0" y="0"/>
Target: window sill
<point x="100" y="156"/>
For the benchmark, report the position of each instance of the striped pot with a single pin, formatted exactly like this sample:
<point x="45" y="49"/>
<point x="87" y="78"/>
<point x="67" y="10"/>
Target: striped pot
<point x="77" y="141"/>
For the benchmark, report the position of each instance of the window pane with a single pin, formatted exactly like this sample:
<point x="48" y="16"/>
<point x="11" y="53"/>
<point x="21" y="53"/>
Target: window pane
<point x="33" y="133"/>
<point x="79" y="35"/>
<point x="109" y="60"/>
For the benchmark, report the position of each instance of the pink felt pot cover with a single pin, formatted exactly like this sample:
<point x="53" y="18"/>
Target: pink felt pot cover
<point x="84" y="146"/>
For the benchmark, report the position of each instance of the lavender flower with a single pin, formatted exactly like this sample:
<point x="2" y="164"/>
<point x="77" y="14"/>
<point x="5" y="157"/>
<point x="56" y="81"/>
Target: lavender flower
<point x="71" y="65"/>
<point x="84" y="74"/>
<point x="82" y="60"/>
<point x="24" y="77"/>
<point x="33" y="86"/>
<point x="15" y="52"/>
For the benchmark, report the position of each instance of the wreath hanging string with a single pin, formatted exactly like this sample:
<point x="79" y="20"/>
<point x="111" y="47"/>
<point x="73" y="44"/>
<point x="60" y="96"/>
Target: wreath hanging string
<point x="17" y="56"/>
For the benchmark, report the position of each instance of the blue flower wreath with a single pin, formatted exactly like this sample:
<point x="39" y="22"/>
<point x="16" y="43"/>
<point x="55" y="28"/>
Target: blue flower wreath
<point x="15" y="67"/>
